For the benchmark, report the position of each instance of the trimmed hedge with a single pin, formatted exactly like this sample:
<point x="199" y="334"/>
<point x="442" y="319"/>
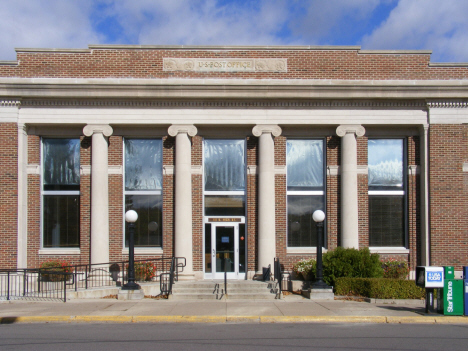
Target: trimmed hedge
<point x="379" y="288"/>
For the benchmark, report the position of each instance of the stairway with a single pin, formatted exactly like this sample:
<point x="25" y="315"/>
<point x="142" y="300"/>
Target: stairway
<point x="214" y="290"/>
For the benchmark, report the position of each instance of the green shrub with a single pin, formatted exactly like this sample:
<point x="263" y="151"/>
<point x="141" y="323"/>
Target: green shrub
<point x="379" y="288"/>
<point x="49" y="270"/>
<point x="350" y="263"/>
<point x="394" y="269"/>
<point x="305" y="269"/>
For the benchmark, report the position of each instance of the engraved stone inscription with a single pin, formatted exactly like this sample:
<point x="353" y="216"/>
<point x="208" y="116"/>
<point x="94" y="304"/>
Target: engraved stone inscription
<point x="225" y="65"/>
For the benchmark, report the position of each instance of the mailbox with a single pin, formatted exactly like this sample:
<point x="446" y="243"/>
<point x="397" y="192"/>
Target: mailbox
<point x="430" y="277"/>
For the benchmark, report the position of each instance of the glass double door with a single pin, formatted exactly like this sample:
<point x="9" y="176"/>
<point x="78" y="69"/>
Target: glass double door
<point x="225" y="250"/>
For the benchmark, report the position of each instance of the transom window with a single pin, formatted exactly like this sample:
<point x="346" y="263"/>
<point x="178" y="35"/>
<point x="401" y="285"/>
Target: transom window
<point x="305" y="189"/>
<point x="61" y="193"/>
<point x="143" y="189"/>
<point x="387" y="192"/>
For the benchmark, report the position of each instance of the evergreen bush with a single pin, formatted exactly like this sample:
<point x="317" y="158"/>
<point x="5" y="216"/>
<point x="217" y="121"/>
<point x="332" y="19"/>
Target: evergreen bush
<point x="350" y="263"/>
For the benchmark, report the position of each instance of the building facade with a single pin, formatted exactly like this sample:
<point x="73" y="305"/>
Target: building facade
<point x="225" y="152"/>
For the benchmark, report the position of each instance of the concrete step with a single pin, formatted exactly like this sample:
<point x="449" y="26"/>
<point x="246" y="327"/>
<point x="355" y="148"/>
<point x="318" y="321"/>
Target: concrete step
<point x="209" y="289"/>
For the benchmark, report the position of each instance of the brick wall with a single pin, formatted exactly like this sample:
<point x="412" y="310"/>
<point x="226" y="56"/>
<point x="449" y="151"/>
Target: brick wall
<point x="197" y="205"/>
<point x="302" y="64"/>
<point x="9" y="194"/>
<point x="116" y="201"/>
<point x="252" y="210"/>
<point x="448" y="151"/>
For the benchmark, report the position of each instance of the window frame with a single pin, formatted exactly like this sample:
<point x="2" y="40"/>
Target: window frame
<point x="392" y="191"/>
<point x="146" y="192"/>
<point x="67" y="250"/>
<point x="315" y="192"/>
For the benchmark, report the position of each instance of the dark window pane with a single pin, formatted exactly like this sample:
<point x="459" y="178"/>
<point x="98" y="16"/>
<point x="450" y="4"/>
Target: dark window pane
<point x="61" y="164"/>
<point x="148" y="227"/>
<point x="207" y="248"/>
<point x="302" y="230"/>
<point x="386" y="220"/>
<point x="225" y="205"/>
<point x="143" y="164"/>
<point x="61" y="221"/>
<point x="242" y="243"/>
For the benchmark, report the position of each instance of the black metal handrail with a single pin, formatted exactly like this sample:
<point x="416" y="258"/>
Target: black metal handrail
<point x="166" y="280"/>
<point x="52" y="283"/>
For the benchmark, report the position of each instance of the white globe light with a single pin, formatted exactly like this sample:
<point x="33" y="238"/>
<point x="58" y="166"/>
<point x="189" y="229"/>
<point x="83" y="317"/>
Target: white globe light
<point x="318" y="216"/>
<point x="131" y="216"/>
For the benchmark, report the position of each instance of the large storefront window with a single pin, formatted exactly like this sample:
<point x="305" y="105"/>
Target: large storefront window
<point x="143" y="190"/>
<point x="61" y="193"/>
<point x="387" y="192"/>
<point x="305" y="189"/>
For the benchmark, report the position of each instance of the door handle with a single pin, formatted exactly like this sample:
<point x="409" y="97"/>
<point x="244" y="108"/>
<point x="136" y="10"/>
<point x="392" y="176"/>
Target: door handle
<point x="213" y="252"/>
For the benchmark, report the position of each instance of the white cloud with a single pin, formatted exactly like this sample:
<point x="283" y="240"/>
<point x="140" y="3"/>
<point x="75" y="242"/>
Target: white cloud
<point x="201" y="22"/>
<point x="425" y="24"/>
<point x="44" y="23"/>
<point x="412" y="24"/>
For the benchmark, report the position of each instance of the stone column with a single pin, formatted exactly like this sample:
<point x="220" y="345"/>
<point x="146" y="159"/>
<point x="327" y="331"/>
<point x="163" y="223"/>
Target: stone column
<point x="99" y="191"/>
<point x="424" y="177"/>
<point x="266" y="194"/>
<point x="22" y="252"/>
<point x="349" y="185"/>
<point x="183" y="192"/>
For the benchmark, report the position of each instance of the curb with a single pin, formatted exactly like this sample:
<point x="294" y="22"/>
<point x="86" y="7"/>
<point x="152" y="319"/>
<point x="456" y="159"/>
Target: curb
<point x="237" y="319"/>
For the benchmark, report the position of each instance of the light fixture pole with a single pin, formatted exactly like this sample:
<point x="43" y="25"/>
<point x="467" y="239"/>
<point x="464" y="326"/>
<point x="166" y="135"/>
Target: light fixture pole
<point x="318" y="217"/>
<point x="130" y="217"/>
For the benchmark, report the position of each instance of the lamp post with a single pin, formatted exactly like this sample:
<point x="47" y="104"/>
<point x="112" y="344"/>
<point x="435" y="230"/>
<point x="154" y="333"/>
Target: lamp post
<point x="318" y="217"/>
<point x="130" y="217"/>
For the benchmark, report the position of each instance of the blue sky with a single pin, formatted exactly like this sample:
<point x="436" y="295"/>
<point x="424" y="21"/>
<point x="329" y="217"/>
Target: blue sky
<point x="437" y="25"/>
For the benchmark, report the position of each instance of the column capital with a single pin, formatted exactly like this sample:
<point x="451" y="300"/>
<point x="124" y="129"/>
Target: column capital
<point x="344" y="129"/>
<point x="90" y="129"/>
<point x="260" y="129"/>
<point x="175" y="129"/>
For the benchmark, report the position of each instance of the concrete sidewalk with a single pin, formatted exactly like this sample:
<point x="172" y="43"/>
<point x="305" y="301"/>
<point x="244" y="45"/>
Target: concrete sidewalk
<point x="291" y="309"/>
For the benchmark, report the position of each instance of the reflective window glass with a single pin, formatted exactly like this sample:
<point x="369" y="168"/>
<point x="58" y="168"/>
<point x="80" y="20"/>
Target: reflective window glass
<point x="385" y="162"/>
<point x="61" y="164"/>
<point x="143" y="164"/>
<point x="224" y="165"/>
<point x="305" y="164"/>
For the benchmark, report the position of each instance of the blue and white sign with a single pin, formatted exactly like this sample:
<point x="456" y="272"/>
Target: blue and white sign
<point x="434" y="277"/>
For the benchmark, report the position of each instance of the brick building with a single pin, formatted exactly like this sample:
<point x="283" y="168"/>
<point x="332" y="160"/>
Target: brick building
<point x="232" y="149"/>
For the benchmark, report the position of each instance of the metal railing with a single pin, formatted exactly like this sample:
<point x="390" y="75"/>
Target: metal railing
<point x="167" y="279"/>
<point x="50" y="283"/>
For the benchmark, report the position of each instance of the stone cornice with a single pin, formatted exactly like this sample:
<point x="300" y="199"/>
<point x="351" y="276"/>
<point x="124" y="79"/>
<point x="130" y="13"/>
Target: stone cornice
<point x="105" y="129"/>
<point x="448" y="104"/>
<point x="337" y="104"/>
<point x="175" y="129"/>
<point x="10" y="103"/>
<point x="76" y="88"/>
